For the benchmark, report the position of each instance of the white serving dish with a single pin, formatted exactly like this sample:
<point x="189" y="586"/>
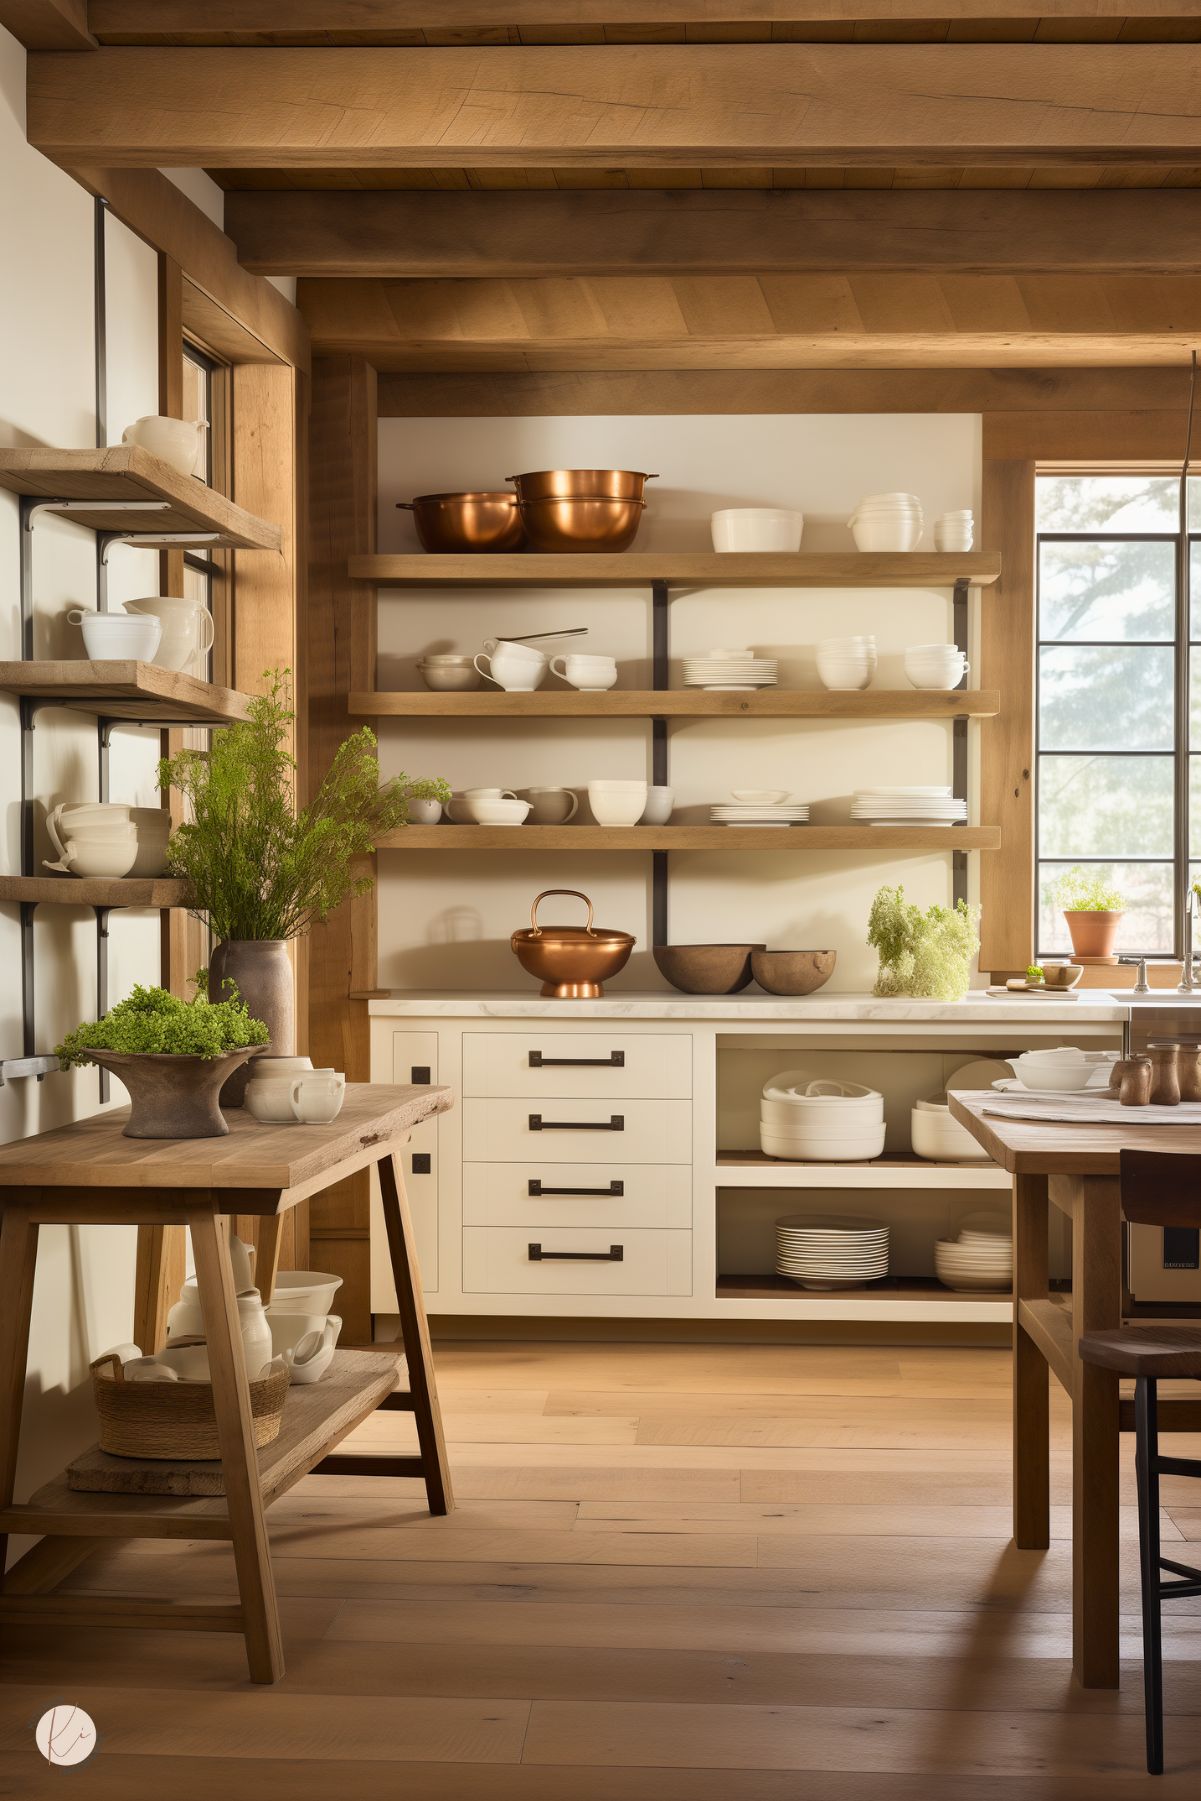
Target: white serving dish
<point x="756" y="529"/>
<point x="934" y="1134"/>
<point x="303" y="1291"/>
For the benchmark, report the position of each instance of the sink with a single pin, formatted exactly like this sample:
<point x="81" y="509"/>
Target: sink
<point x="1159" y="997"/>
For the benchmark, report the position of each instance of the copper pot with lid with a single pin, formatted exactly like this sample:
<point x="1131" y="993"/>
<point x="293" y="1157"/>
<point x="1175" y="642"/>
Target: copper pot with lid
<point x="571" y="962"/>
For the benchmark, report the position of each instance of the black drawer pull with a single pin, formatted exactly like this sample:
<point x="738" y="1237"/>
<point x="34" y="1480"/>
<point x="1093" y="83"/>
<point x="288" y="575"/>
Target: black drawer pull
<point x="616" y="1122"/>
<point x="615" y="1188"/>
<point x="614" y="1254"/>
<point x="615" y="1060"/>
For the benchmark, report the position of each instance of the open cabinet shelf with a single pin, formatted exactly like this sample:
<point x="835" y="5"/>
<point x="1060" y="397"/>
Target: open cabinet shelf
<point x="128" y="474"/>
<point x="752" y="1169"/>
<point x="790" y="839"/>
<point x="893" y="1292"/>
<point x="139" y="692"/>
<point x="684" y="569"/>
<point x="680" y="703"/>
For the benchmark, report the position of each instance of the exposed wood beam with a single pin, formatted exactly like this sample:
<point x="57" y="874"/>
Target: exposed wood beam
<point x="616" y="391"/>
<point x="653" y="106"/>
<point x="773" y="321"/>
<point x="693" y="231"/>
<point x="48" y="24"/>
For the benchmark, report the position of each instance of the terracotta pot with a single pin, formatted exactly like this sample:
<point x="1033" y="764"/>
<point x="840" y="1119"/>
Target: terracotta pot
<point x="173" y="1097"/>
<point x="262" y="972"/>
<point x="1093" y="933"/>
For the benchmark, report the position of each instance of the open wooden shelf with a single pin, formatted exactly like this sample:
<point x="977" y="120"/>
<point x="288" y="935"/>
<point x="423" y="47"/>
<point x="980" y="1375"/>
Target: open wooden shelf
<point x="316" y="1417"/>
<point x="679" y="703"/>
<point x="120" y="690"/>
<point x="685" y="569"/>
<point x="919" y="1291"/>
<point x="882" y="839"/>
<point x="162" y="892"/>
<point x="128" y="473"/>
<point x="752" y="1169"/>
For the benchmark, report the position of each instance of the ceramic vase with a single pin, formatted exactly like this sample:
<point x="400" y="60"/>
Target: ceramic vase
<point x="173" y="1097"/>
<point x="261" y="970"/>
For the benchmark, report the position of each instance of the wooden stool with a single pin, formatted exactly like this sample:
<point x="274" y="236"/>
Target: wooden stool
<point x="1158" y="1189"/>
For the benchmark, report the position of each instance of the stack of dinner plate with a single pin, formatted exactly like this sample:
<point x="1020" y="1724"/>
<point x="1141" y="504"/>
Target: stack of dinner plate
<point x="975" y="1260"/>
<point x="908" y="806"/>
<point x="773" y="813"/>
<point x="831" y="1253"/>
<point x="733" y="670"/>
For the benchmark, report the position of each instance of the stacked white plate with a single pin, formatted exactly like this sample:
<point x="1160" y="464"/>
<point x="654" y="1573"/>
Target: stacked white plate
<point x="831" y="1253"/>
<point x="975" y="1260"/>
<point x="734" y="813"/>
<point x="908" y="806"/>
<point x="733" y="670"/>
<point x="802" y="1120"/>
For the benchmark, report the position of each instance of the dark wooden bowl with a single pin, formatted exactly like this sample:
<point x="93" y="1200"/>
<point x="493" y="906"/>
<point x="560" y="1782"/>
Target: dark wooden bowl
<point x="706" y="968"/>
<point x="793" y="972"/>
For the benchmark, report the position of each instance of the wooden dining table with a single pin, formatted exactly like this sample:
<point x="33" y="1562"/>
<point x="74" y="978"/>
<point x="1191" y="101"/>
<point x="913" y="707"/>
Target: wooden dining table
<point x="1074" y="1168"/>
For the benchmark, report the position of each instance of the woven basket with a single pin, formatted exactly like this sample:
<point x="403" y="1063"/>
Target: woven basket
<point x="174" y="1419"/>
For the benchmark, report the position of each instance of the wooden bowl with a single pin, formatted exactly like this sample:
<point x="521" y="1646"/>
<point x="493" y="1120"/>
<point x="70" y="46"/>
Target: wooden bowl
<point x="792" y="972"/>
<point x="706" y="968"/>
<point x="1063" y="975"/>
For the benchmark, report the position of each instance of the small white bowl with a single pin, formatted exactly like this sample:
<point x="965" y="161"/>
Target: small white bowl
<point x="449" y="678"/>
<point x="118" y="637"/>
<point x="902" y="536"/>
<point x="756" y="529"/>
<point x="760" y="797"/>
<point x="303" y="1291"/>
<point x="101" y="859"/>
<point x="499" y="812"/>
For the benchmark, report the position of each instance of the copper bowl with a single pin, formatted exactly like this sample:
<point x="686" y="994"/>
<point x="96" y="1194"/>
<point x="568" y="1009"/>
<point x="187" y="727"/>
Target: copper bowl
<point x="452" y="523"/>
<point x="583" y="522"/>
<point x="571" y="962"/>
<point x="564" y="484"/>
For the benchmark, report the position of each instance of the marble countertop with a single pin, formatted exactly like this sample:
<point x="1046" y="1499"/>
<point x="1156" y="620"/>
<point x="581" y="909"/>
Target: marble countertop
<point x="1097" y="1007"/>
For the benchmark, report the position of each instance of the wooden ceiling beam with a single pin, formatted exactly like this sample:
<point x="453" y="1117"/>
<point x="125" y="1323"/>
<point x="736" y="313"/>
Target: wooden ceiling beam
<point x="770" y="321"/>
<point x="655" y="107"/>
<point x="426" y="235"/>
<point x="48" y="24"/>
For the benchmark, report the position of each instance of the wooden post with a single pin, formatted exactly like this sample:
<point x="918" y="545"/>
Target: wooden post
<point x="414" y="1329"/>
<point x="1031" y="1398"/>
<point x="1096" y="1307"/>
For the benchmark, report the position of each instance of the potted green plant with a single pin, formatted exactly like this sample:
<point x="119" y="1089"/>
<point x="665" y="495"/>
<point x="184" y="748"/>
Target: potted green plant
<point x="172" y="1055"/>
<point x="1092" y="908"/>
<point x="928" y="955"/>
<point x="262" y="870"/>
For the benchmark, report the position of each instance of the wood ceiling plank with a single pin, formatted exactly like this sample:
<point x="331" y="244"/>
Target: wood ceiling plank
<point x="713" y="230"/>
<point x="48" y="24"/>
<point x="660" y="106"/>
<point x="770" y="321"/>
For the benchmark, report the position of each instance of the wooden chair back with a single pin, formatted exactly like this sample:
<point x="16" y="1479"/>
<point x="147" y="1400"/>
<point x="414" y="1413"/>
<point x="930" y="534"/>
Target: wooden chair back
<point x="1161" y="1188"/>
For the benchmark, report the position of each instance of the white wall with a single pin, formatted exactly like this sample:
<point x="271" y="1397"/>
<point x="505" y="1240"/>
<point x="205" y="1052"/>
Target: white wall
<point x="445" y="919"/>
<point x="84" y="1291"/>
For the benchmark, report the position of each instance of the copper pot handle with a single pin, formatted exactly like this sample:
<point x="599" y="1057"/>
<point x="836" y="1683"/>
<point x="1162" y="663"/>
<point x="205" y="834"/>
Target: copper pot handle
<point x="646" y="478"/>
<point x="574" y="892"/>
<point x="406" y="506"/>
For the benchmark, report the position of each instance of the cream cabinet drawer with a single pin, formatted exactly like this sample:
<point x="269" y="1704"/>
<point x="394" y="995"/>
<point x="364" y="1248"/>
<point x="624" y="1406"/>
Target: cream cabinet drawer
<point x="577" y="1131"/>
<point x="656" y="1067"/>
<point x="560" y="1260"/>
<point x="549" y="1195"/>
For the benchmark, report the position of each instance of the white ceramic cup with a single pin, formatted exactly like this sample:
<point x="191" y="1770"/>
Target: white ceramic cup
<point x="424" y="812"/>
<point x="551" y="806"/>
<point x="488" y="794"/>
<point x="516" y="675"/>
<point x="175" y="441"/>
<point x="187" y="626"/>
<point x="617" y="803"/>
<point x="659" y="803"/>
<point x="117" y="637"/>
<point x="513" y="647"/>
<point x="316" y="1097"/>
<point x="269" y="1087"/>
<point x="592" y="675"/>
<point x="310" y="1361"/>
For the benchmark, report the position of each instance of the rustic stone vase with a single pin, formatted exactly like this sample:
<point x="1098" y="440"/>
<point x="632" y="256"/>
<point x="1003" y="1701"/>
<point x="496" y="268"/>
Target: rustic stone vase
<point x="1093" y="932"/>
<point x="173" y="1097"/>
<point x="262" y="972"/>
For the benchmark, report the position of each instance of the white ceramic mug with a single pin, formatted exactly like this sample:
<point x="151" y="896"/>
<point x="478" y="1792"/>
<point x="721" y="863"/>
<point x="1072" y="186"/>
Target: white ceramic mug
<point x="317" y="1097"/>
<point x="516" y="675"/>
<point x="268" y="1092"/>
<point x="175" y="441"/>
<point x="187" y="628"/>
<point x="592" y="675"/>
<point x="551" y="806"/>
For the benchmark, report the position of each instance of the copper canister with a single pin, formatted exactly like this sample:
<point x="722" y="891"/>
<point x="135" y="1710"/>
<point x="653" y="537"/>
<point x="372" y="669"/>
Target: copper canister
<point x="571" y="961"/>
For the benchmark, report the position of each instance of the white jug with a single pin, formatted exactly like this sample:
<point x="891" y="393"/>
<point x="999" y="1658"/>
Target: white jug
<point x="178" y="442"/>
<point x="188" y="629"/>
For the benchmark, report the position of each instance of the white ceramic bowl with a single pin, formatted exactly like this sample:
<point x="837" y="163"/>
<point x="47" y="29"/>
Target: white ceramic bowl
<point x="118" y="637"/>
<point x="449" y="678"/>
<point x="617" y="803"/>
<point x="832" y="1116"/>
<point x="756" y="529"/>
<point x="902" y="535"/>
<point x="759" y="797"/>
<point x="843" y="677"/>
<point x="499" y="812"/>
<point x="303" y="1291"/>
<point x="1052" y="1078"/>
<point x="801" y="1085"/>
<point x="933" y="1133"/>
<point x="814" y="1149"/>
<point x="106" y="858"/>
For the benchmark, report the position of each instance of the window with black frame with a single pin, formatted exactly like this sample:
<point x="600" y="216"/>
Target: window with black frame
<point x="1118" y="716"/>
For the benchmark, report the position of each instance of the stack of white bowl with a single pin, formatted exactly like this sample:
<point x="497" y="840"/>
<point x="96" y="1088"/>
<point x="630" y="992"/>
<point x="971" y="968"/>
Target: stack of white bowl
<point x="954" y="531"/>
<point x="936" y="1135"/>
<point x="887" y="522"/>
<point x="806" y="1121"/>
<point x="940" y="666"/>
<point x="847" y="662"/>
<point x="1064" y="1070"/>
<point x="107" y="838"/>
<point x="756" y="529"/>
<point x="731" y="670"/>
<point x="975" y="1260"/>
<point x="831" y="1253"/>
<point x="448" y="674"/>
<point x="907" y="806"/>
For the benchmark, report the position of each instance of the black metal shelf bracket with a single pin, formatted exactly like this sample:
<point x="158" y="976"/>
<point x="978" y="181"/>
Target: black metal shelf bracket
<point x="959" y="742"/>
<point x="660" y="681"/>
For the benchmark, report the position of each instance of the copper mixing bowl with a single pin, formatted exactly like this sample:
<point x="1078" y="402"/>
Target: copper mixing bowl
<point x="571" y="962"/>
<point x="559" y="484"/>
<point x="452" y="523"/>
<point x="582" y="522"/>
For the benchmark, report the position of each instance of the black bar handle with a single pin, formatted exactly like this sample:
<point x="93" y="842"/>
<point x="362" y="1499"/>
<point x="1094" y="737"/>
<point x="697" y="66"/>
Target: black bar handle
<point x="615" y="1060"/>
<point x="616" y="1122"/>
<point x="615" y="1188"/>
<point x="614" y="1254"/>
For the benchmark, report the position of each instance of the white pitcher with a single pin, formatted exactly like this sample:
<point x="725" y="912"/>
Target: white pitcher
<point x="188" y="629"/>
<point x="178" y="442"/>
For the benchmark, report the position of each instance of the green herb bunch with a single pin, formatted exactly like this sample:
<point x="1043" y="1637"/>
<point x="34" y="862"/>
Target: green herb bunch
<point x="1085" y="891"/>
<point x="154" y="1023"/>
<point x="255" y="866"/>
<point x="928" y="955"/>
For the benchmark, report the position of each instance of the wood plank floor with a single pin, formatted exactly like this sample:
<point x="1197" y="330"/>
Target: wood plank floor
<point x="676" y="1573"/>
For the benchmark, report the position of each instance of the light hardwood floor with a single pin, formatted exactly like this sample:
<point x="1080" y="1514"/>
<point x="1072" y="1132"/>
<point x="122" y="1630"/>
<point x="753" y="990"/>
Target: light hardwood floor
<point x="676" y="1573"/>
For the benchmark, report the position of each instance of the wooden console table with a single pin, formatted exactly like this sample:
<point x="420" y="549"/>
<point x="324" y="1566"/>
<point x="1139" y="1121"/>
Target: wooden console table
<point x="1075" y="1169"/>
<point x="90" y="1174"/>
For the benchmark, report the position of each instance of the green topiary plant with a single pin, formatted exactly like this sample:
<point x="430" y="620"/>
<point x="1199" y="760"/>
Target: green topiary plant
<point x="154" y="1023"/>
<point x="428" y="787"/>
<point x="1080" y="890"/>
<point x="928" y="955"/>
